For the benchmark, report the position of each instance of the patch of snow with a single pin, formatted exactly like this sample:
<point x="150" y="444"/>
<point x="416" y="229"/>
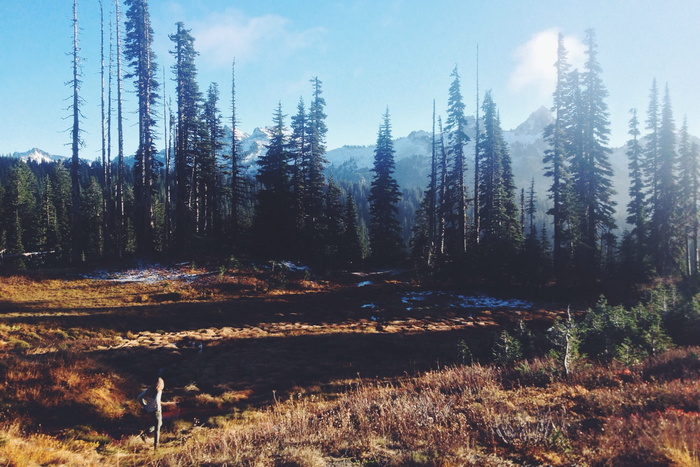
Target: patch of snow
<point x="148" y="274"/>
<point x="37" y="155"/>
<point x="418" y="296"/>
<point x="294" y="267"/>
<point x="391" y="272"/>
<point x="465" y="301"/>
<point x="484" y="301"/>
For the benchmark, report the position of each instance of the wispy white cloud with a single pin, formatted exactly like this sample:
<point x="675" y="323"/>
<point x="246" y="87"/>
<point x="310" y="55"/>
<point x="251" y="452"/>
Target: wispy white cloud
<point x="221" y="37"/>
<point x="535" y="70"/>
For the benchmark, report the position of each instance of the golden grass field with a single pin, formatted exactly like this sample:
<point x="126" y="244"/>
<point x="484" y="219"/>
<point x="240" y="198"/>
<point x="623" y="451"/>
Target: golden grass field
<point x="267" y="366"/>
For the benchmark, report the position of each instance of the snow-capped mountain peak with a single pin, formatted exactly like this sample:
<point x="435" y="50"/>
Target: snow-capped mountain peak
<point x="36" y="155"/>
<point x="535" y="123"/>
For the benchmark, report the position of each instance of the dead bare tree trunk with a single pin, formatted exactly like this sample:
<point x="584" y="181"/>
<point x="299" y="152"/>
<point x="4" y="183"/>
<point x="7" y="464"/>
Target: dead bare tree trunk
<point x="106" y="191"/>
<point x="120" y="138"/>
<point x="75" y="159"/>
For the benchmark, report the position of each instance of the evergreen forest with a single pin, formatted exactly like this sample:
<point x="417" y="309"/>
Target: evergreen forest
<point x="192" y="195"/>
<point x="283" y="306"/>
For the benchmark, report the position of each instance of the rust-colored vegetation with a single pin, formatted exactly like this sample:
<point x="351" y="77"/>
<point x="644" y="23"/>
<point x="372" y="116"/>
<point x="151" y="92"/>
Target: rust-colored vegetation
<point x="272" y="366"/>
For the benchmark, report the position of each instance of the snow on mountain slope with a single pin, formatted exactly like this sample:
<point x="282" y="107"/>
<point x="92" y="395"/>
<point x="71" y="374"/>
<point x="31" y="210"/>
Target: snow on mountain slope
<point x="37" y="155"/>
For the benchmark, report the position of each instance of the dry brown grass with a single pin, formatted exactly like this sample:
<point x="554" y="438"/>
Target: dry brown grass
<point x="52" y="389"/>
<point x="295" y="372"/>
<point x="465" y="416"/>
<point x="20" y="449"/>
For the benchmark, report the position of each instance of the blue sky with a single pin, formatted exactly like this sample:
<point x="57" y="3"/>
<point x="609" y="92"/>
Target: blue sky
<point x="369" y="54"/>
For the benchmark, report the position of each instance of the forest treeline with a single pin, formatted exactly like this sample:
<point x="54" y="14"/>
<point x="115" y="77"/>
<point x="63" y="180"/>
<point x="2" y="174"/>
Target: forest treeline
<point x="467" y="225"/>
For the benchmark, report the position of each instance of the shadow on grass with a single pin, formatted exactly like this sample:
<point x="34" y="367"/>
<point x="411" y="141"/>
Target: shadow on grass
<point x="238" y="372"/>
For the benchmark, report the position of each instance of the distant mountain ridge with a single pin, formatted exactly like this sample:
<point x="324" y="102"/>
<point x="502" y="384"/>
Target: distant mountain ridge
<point x="38" y="156"/>
<point x="352" y="164"/>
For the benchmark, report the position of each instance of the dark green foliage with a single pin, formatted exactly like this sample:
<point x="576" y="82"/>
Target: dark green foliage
<point x="210" y="188"/>
<point x="55" y="213"/>
<point x="682" y="321"/>
<point x="237" y="179"/>
<point x="188" y="99"/>
<point x="627" y="334"/>
<point x="651" y="149"/>
<point x="422" y="242"/>
<point x="590" y="166"/>
<point x="577" y="161"/>
<point x="20" y="214"/>
<point x="314" y="180"/>
<point x="506" y="349"/>
<point x="664" y="216"/>
<point x="384" y="229"/>
<point x="455" y="200"/>
<point x="426" y="232"/>
<point x="635" y="257"/>
<point x="273" y="214"/>
<point x="689" y="190"/>
<point x="290" y="209"/>
<point x="21" y="209"/>
<point x="555" y="160"/>
<point x="500" y="231"/>
<point x="334" y="219"/>
<point x="91" y="219"/>
<point x="138" y="51"/>
<point x="299" y="147"/>
<point x="351" y="252"/>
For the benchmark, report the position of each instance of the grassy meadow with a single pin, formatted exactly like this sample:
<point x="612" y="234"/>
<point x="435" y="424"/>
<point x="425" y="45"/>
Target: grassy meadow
<point x="273" y="366"/>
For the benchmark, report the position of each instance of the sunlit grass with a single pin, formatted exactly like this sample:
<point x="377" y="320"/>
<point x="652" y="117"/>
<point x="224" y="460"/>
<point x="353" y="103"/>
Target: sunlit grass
<point x="74" y="354"/>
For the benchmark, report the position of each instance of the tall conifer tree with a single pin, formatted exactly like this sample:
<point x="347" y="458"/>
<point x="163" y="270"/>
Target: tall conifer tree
<point x="139" y="51"/>
<point x="20" y="207"/>
<point x="651" y="149"/>
<point x="477" y="159"/>
<point x="314" y="186"/>
<point x="637" y="213"/>
<point x="212" y="189"/>
<point x="351" y="250"/>
<point x="591" y="169"/>
<point x="442" y="205"/>
<point x="188" y="101"/>
<point x="299" y="146"/>
<point x="273" y="220"/>
<point x="500" y="227"/>
<point x="335" y="225"/>
<point x="664" y="217"/>
<point x="236" y="169"/>
<point x="384" y="228"/>
<point x="689" y="190"/>
<point x="456" y="130"/>
<point x="555" y="158"/>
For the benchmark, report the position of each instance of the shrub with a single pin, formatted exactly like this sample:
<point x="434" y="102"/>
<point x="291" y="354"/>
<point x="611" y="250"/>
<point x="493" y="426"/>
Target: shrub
<point x="683" y="322"/>
<point x="506" y="349"/>
<point x="627" y="335"/>
<point x="664" y="438"/>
